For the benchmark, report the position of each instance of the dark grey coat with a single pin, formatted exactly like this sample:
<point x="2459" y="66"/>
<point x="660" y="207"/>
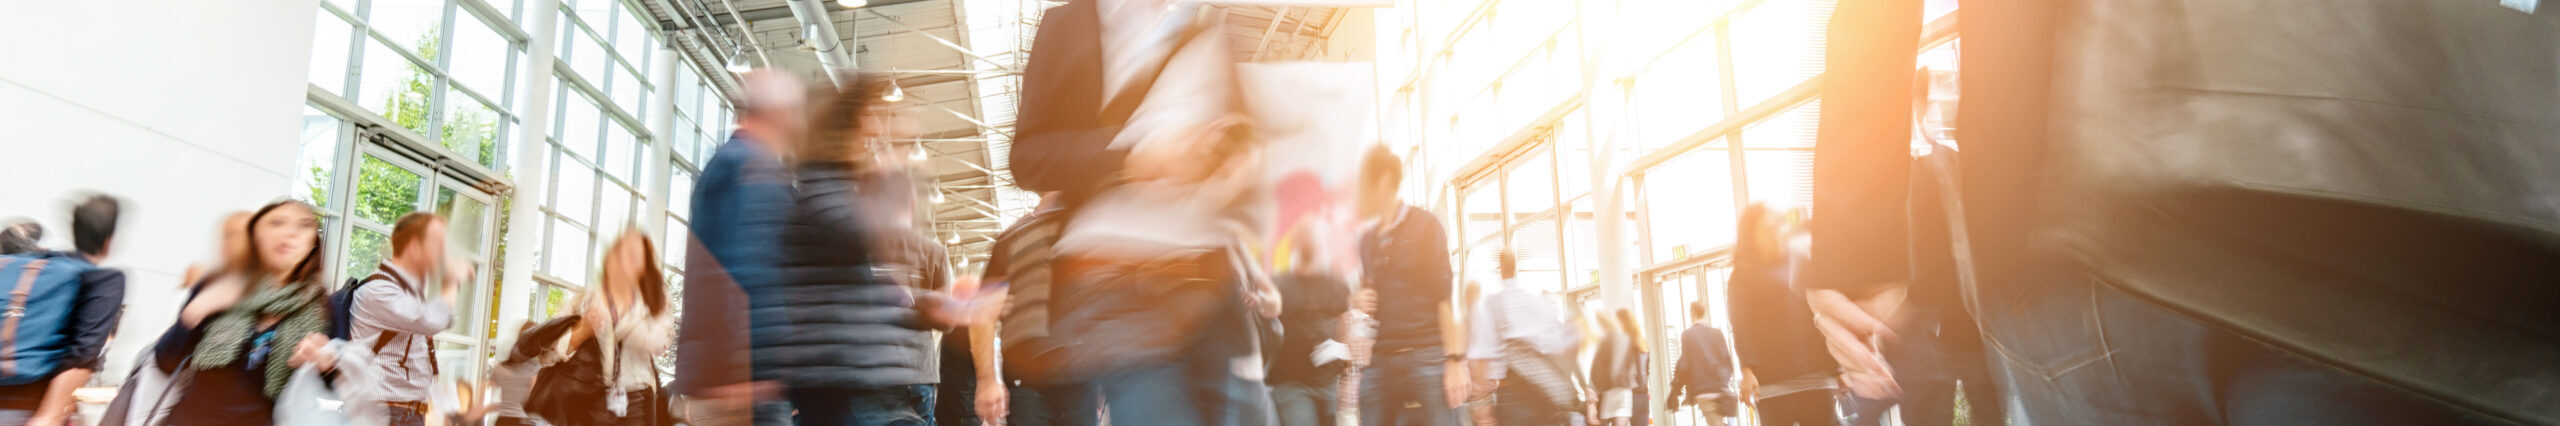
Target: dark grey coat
<point x="847" y="326"/>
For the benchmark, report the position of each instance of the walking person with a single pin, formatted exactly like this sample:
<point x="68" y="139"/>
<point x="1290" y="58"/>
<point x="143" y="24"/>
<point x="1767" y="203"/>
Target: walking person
<point x="1418" y="375"/>
<point x="1520" y="342"/>
<point x="1026" y="387"/>
<point x="236" y="335"/>
<point x="741" y="206"/>
<point x="19" y="236"/>
<point x="69" y="306"/>
<point x="1617" y="368"/>
<point x="1786" y="371"/>
<point x="624" y="323"/>
<point x="232" y="244"/>
<point x="857" y="346"/>
<point x="511" y="380"/>
<point x="395" y="317"/>
<point x="1703" y="378"/>
<point x="1309" y="359"/>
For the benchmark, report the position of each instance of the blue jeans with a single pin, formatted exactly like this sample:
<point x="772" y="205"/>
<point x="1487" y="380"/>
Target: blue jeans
<point x="910" y="405"/>
<point x="1404" y="388"/>
<point x="2076" y="351"/>
<point x="1305" y="404"/>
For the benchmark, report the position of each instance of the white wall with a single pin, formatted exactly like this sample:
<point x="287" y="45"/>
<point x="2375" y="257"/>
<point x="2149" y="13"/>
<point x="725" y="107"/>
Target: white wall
<point x="186" y="109"/>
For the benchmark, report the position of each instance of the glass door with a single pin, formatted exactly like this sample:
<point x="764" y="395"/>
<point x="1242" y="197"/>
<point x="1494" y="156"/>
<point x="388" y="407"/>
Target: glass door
<point x="389" y="184"/>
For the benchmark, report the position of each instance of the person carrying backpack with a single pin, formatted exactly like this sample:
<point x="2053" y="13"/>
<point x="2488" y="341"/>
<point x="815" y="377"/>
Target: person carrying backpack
<point x="390" y="313"/>
<point x="54" y="341"/>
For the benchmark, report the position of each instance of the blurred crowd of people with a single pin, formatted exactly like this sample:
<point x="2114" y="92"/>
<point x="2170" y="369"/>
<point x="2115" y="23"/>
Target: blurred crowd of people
<point x="1142" y="291"/>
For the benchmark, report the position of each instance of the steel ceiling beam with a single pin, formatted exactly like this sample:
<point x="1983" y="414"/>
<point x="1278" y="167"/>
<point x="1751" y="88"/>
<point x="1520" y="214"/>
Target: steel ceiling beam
<point x="964" y="51"/>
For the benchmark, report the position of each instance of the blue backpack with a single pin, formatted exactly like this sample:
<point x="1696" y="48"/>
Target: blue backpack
<point x="33" y="335"/>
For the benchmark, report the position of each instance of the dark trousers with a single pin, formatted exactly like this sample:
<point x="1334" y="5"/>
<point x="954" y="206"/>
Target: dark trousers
<point x="1053" y="405"/>
<point x="2085" y="353"/>
<point x="955" y="401"/>
<point x="910" y="405"/>
<point x="1306" y="404"/>
<point x="1808" y="408"/>
<point x="1517" y="403"/>
<point x="1404" y="389"/>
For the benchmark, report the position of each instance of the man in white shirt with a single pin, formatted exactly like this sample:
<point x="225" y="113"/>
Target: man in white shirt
<point x="394" y="318"/>
<point x="1517" y="313"/>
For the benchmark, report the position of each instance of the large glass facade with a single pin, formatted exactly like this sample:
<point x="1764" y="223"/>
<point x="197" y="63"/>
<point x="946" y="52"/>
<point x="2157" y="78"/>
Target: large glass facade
<point x="1693" y="109"/>
<point x="413" y="107"/>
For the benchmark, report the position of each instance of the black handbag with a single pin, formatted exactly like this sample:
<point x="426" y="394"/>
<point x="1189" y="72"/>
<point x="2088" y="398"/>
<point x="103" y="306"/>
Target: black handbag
<point x="573" y="391"/>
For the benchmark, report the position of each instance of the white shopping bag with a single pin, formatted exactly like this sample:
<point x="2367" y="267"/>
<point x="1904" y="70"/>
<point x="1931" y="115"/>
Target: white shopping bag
<point x="307" y="401"/>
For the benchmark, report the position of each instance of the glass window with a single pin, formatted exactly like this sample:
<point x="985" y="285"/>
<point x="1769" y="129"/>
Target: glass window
<point x="466" y="221"/>
<point x="579" y="123"/>
<point x="679" y="193"/>
<point x="1679" y="96"/>
<point x="631" y="36"/>
<point x="329" y="38"/>
<point x="1689" y="204"/>
<point x="470" y="129"/>
<point x="619" y="148"/>
<point x="568" y="252"/>
<point x="1783" y="178"/>
<point x="1541" y="258"/>
<point x="1483" y="213"/>
<point x="385" y="191"/>
<point x="1788" y="49"/>
<point x="365" y="250"/>
<point x="614" y="212"/>
<point x="577" y="191"/>
<point x="590" y="59"/>
<point x="1533" y="183"/>
<point x="396" y="88"/>
<point x="317" y="165"/>
<point x="481" y="57"/>
<point x="630" y="92"/>
<point x="409" y="23"/>
<point x="679" y="236"/>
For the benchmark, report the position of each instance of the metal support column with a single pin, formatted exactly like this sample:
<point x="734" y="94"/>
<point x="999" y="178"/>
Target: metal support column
<point x="532" y="168"/>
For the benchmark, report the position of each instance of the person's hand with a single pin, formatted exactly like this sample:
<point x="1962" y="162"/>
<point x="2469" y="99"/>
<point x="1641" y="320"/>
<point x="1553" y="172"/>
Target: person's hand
<point x="992" y="400"/>
<point x="455" y="273"/>
<point x="938" y="311"/>
<point x="217" y="296"/>
<point x="314" y="352"/>
<point x="1750" y="390"/>
<point x="1850" y="328"/>
<point x="1366" y="301"/>
<point x="1455" y="383"/>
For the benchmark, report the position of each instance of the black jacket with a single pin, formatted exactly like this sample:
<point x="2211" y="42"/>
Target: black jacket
<point x="1063" y="136"/>
<point x="1704" y="366"/>
<point x="846" y="326"/>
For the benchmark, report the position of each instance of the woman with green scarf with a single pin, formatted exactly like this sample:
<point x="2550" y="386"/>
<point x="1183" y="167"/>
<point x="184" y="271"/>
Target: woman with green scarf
<point x="241" y="335"/>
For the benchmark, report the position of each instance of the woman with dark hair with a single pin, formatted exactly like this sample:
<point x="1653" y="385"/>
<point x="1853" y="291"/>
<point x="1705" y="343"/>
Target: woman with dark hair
<point x="855" y="348"/>
<point x="237" y="334"/>
<point x="623" y="324"/>
<point x="1787" y="373"/>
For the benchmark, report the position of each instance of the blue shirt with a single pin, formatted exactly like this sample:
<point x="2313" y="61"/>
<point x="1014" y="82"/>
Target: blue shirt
<point x="741" y="204"/>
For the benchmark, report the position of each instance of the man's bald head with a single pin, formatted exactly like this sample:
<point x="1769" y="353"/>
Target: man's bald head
<point x="766" y="90"/>
<point x="772" y="107"/>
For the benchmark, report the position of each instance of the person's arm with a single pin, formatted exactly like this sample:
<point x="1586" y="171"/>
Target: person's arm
<point x="650" y="335"/>
<point x="100" y="302"/>
<point x="384" y="305"/>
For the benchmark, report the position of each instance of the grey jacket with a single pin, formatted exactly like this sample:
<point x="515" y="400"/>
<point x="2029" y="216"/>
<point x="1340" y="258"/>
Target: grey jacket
<point x="846" y="326"/>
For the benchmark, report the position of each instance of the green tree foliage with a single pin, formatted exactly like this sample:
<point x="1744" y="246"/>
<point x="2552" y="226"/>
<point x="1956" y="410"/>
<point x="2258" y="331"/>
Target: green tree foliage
<point x="470" y="128"/>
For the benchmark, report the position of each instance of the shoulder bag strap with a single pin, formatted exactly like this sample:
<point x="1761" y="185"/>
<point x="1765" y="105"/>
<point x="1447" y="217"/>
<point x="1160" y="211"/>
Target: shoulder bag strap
<point x="17" y="310"/>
